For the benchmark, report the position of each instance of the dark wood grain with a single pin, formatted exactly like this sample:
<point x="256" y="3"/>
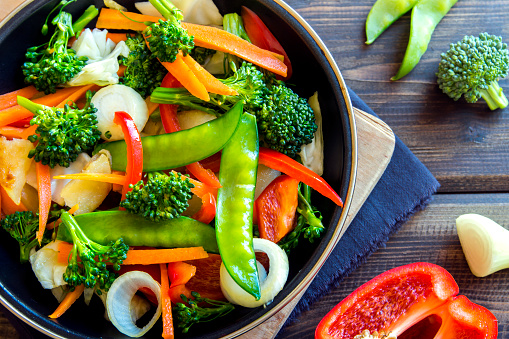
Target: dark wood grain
<point x="430" y="236"/>
<point x="464" y="145"/>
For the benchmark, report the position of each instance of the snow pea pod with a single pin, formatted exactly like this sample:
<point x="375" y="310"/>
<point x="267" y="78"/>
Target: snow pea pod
<point x="181" y="148"/>
<point x="105" y="226"/>
<point x="234" y="216"/>
<point x="383" y="14"/>
<point x="426" y="15"/>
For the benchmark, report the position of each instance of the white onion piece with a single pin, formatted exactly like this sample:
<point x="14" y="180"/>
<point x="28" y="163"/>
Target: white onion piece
<point x="484" y="244"/>
<point x="119" y="302"/>
<point x="312" y="154"/>
<point x="264" y="176"/>
<point x="270" y="286"/>
<point x="114" y="98"/>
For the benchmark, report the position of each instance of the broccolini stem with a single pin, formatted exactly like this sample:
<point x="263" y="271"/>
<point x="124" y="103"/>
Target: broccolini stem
<point x="306" y="210"/>
<point x="168" y="10"/>
<point x="90" y="13"/>
<point x="29" y="105"/>
<point x="494" y="96"/>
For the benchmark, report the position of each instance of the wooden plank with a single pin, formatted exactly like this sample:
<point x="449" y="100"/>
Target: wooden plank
<point x="430" y="236"/>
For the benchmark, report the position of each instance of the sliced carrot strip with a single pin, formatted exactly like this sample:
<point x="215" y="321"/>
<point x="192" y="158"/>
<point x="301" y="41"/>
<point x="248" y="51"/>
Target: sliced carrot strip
<point x="9" y="206"/>
<point x="28" y="132"/>
<point x="187" y="78"/>
<point x="77" y="94"/>
<point x="168" y="330"/>
<point x="64" y="249"/>
<point x="116" y="37"/>
<point x="121" y="70"/>
<point x="113" y="19"/>
<point x="160" y="256"/>
<point x="10" y="99"/>
<point x="152" y="106"/>
<point x="44" y="192"/>
<point x="12" y="132"/>
<point x="109" y="178"/>
<point x="12" y="114"/>
<point x="69" y="299"/>
<point x="220" y="40"/>
<point x="211" y="83"/>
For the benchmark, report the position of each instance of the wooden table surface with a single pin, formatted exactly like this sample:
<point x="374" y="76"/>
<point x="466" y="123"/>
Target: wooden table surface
<point x="464" y="145"/>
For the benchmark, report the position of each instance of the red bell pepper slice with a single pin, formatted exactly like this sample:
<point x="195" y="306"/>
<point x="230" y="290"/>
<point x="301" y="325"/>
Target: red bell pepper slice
<point x="207" y="211"/>
<point x="179" y="273"/>
<point x="171" y="124"/>
<point x="287" y="165"/>
<point x="275" y="208"/>
<point x="401" y="297"/>
<point x="132" y="138"/>
<point x="262" y="37"/>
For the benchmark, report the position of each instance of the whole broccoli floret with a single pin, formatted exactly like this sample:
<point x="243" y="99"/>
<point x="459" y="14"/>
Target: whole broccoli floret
<point x="23" y="227"/>
<point x="187" y="316"/>
<point x="285" y="120"/>
<point x="143" y="71"/>
<point x="472" y="68"/>
<point x="88" y="259"/>
<point x="62" y="133"/>
<point x="161" y="197"/>
<point x="309" y="221"/>
<point x="53" y="63"/>
<point x="167" y="38"/>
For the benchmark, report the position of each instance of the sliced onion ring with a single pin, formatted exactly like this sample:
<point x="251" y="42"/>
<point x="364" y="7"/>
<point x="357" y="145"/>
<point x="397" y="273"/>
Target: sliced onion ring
<point x="270" y="286"/>
<point x="118" y="302"/>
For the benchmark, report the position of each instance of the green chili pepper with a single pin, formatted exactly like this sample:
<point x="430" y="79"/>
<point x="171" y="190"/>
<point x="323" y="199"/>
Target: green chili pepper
<point x="426" y="15"/>
<point x="234" y="216"/>
<point x="105" y="226"/>
<point x="383" y="14"/>
<point x="180" y="148"/>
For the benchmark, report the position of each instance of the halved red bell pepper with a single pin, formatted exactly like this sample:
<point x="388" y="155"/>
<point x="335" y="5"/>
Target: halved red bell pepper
<point x="171" y="124"/>
<point x="287" y="165"/>
<point x="401" y="297"/>
<point x="132" y="138"/>
<point x="275" y="208"/>
<point x="262" y="37"/>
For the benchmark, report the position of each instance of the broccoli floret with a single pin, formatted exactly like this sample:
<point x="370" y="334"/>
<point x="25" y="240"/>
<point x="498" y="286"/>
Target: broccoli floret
<point x="88" y="259"/>
<point x="53" y="63"/>
<point x="167" y="38"/>
<point x="143" y="71"/>
<point x="62" y="133"/>
<point x="285" y="120"/>
<point x="187" y="316"/>
<point x="161" y="197"/>
<point x="309" y="221"/>
<point x="472" y="68"/>
<point x="23" y="227"/>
